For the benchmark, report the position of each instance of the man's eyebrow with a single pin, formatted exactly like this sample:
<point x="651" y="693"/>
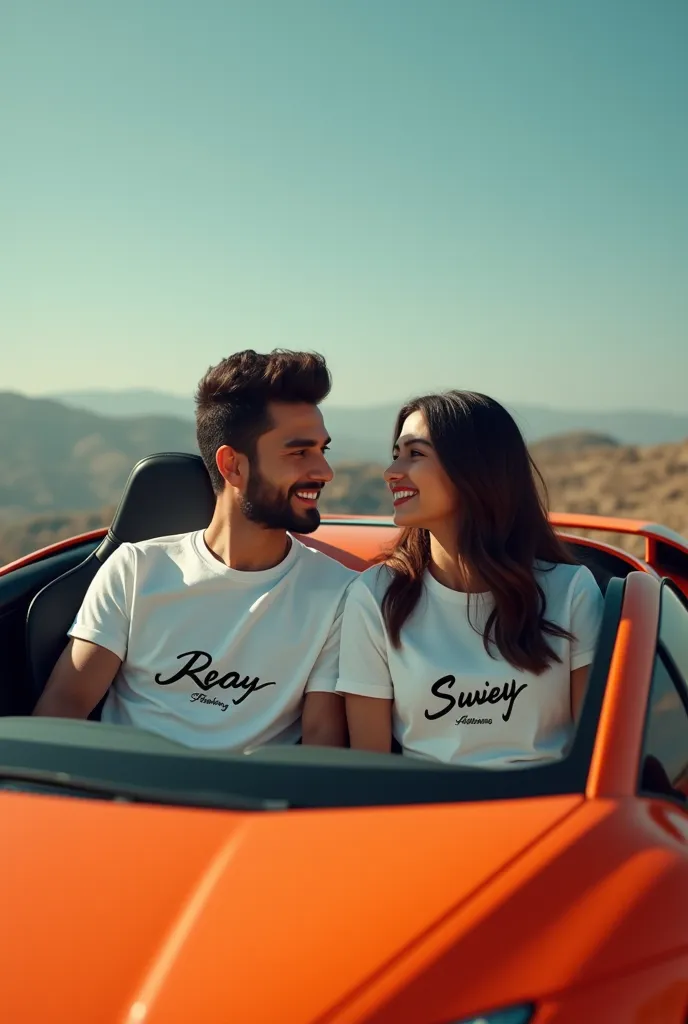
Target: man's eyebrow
<point x="305" y="442"/>
<point x="406" y="441"/>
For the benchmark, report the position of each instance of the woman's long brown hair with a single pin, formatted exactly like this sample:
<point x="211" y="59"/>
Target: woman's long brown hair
<point x="502" y="527"/>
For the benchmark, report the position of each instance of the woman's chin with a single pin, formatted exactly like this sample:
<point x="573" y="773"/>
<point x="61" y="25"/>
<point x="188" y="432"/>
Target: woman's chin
<point x="405" y="518"/>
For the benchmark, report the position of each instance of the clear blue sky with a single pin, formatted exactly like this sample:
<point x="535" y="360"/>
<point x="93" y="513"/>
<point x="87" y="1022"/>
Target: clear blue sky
<point x="478" y="193"/>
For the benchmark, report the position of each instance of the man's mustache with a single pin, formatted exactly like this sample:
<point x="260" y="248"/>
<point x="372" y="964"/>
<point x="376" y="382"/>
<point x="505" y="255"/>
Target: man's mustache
<point x="307" y="487"/>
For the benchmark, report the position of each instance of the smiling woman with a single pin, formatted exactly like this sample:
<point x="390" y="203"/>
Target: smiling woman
<point x="478" y="605"/>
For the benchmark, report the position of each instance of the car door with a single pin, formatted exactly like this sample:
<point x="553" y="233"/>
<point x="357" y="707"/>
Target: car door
<point x="664" y="761"/>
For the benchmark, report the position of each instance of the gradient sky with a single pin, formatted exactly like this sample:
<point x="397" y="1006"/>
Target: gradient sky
<point x="476" y="193"/>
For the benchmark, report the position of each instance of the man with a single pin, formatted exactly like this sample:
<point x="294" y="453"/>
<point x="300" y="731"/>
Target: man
<point x="227" y="638"/>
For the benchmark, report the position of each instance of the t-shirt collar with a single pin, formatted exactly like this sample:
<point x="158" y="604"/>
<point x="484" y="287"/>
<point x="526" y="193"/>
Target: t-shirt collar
<point x="458" y="597"/>
<point x="244" y="576"/>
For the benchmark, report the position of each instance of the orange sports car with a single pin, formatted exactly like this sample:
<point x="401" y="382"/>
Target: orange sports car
<point x="141" y="881"/>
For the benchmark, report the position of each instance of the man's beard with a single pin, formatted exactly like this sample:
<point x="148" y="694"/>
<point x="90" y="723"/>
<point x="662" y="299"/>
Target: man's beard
<point x="267" y="505"/>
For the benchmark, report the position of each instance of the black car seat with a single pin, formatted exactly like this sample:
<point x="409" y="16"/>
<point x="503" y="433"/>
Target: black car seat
<point x="165" y="495"/>
<point x="604" y="565"/>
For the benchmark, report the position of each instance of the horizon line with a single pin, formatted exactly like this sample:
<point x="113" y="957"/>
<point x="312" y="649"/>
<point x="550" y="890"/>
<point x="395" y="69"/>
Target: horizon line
<point x="180" y="396"/>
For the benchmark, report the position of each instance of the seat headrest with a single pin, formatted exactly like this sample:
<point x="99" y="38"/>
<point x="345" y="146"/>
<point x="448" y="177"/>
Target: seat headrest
<point x="165" y="494"/>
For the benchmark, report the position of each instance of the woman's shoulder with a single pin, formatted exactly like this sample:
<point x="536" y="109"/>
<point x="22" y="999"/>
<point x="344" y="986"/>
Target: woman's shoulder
<point x="374" y="581"/>
<point x="564" y="579"/>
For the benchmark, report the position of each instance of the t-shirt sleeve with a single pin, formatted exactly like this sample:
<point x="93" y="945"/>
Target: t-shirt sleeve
<point x="323" y="677"/>
<point x="105" y="612"/>
<point x="587" y="608"/>
<point x="363" y="664"/>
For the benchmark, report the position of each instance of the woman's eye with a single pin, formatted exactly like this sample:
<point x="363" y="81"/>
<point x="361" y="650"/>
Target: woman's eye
<point x="414" y="451"/>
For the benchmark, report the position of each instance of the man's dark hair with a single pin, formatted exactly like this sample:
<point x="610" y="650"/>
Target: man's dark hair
<point x="232" y="399"/>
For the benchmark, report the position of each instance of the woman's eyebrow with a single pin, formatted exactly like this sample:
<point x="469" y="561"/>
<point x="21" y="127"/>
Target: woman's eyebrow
<point x="406" y="441"/>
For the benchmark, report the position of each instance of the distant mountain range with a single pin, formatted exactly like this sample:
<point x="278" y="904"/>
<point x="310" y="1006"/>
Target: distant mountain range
<point x="364" y="433"/>
<point x="58" y="455"/>
<point x="63" y="467"/>
<point x="56" y="458"/>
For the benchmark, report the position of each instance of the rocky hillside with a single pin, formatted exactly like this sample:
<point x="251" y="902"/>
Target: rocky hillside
<point x="601" y="477"/>
<point x="57" y="459"/>
<point x="584" y="472"/>
<point x="21" y="536"/>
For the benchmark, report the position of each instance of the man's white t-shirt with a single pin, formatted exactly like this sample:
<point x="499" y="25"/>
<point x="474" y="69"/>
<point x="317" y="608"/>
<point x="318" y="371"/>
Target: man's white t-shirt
<point x="214" y="657"/>
<point x="453" y="701"/>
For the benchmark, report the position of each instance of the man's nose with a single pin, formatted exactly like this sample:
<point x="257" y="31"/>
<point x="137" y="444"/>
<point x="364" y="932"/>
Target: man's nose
<point x="321" y="470"/>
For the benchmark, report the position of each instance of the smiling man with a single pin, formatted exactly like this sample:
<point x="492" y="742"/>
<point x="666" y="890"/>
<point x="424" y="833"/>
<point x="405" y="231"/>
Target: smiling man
<point x="227" y="638"/>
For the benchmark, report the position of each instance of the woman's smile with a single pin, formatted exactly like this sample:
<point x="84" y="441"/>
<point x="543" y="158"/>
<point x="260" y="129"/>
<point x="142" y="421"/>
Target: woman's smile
<point x="402" y="494"/>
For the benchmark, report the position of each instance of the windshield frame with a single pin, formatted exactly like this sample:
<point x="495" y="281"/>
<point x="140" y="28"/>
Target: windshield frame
<point x="304" y="776"/>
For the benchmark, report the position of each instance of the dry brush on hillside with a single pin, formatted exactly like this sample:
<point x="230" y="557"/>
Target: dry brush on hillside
<point x="618" y="480"/>
<point x="584" y="473"/>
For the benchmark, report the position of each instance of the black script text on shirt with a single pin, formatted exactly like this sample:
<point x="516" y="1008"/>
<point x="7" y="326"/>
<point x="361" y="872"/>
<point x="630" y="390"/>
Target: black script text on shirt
<point x="231" y="680"/>
<point x="508" y="692"/>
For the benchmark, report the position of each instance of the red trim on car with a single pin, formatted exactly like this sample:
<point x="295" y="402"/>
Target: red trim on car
<point x="629" y="526"/>
<point x="635" y="563"/>
<point x="616" y="758"/>
<point x="53" y="549"/>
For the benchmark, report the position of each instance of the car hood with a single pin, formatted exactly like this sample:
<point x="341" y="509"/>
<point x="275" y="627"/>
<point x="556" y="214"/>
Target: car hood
<point x="129" y="913"/>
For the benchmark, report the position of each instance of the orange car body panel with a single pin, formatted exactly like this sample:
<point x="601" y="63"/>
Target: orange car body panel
<point x="400" y="915"/>
<point x="385" y="916"/>
<point x="659" y="540"/>
<point x="656" y="994"/>
<point x="527" y="937"/>
<point x="218" y="916"/>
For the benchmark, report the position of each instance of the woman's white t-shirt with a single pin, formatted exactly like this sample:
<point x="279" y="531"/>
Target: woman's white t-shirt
<point x="453" y="701"/>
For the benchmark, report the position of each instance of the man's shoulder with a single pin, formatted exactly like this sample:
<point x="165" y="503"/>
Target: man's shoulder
<point x="325" y="569"/>
<point x="162" y="544"/>
<point x="154" y="550"/>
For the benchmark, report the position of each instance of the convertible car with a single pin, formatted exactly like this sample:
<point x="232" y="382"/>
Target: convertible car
<point x="141" y="881"/>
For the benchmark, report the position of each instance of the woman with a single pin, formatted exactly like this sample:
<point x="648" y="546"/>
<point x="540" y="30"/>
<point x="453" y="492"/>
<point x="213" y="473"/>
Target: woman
<point x="472" y="642"/>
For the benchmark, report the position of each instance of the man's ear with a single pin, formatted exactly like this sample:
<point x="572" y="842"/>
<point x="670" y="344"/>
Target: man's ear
<point x="233" y="466"/>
